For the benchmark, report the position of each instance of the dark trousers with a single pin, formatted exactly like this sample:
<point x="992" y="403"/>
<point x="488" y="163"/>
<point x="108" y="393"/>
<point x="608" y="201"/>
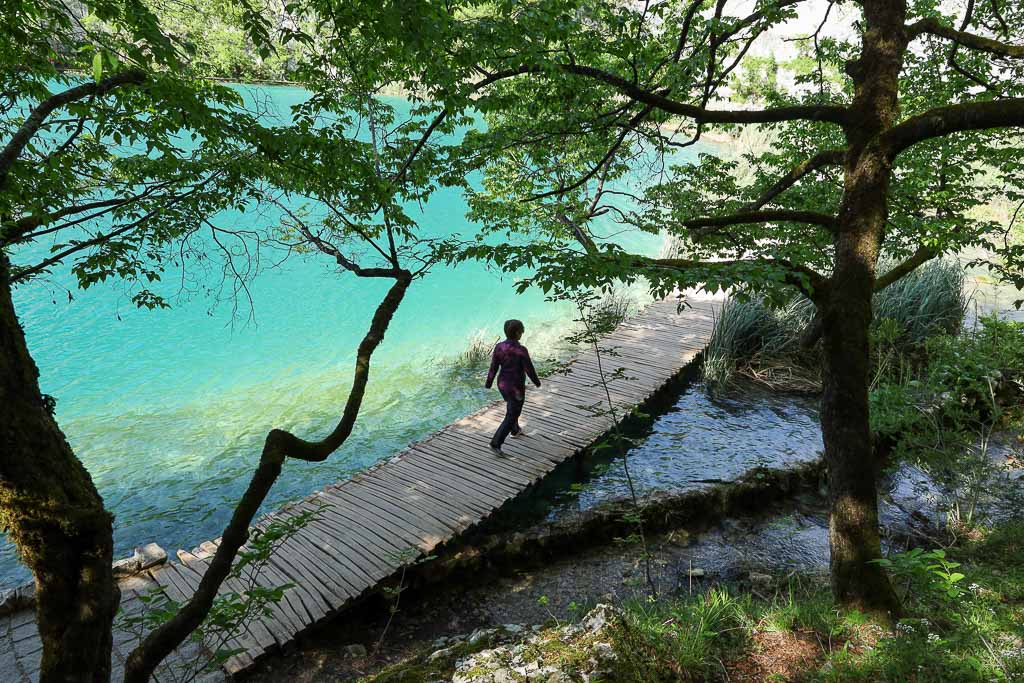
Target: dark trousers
<point x="514" y="400"/>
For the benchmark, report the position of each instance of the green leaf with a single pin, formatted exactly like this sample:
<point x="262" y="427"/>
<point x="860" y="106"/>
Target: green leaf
<point x="97" y="66"/>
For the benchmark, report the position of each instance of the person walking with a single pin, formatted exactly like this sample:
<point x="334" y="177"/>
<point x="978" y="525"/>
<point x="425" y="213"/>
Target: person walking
<point x="515" y="365"/>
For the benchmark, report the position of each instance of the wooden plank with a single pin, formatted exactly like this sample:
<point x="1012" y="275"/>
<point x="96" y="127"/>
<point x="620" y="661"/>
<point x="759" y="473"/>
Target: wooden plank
<point x="471" y="459"/>
<point x="302" y="607"/>
<point x="418" y="470"/>
<point x="181" y="589"/>
<point x="367" y="556"/>
<point x="387" y="544"/>
<point x="526" y="466"/>
<point x="266" y="636"/>
<point x="478" y="481"/>
<point x="458" y="452"/>
<point x="303" y="551"/>
<point x="442" y="492"/>
<point x="403" y="524"/>
<point x="391" y="503"/>
<point x="352" y="510"/>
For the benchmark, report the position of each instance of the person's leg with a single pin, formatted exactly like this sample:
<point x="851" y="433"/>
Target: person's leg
<point x="506" y="424"/>
<point x="513" y="407"/>
<point x="516" y="429"/>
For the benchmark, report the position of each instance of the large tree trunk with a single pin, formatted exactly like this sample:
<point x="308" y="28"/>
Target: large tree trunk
<point x="846" y="315"/>
<point x="51" y="510"/>
<point x="852" y="469"/>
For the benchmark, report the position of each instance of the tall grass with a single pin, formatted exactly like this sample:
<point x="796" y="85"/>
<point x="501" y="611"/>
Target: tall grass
<point x="750" y="335"/>
<point x="475" y="358"/>
<point x="750" y="331"/>
<point x="610" y="310"/>
<point x="929" y="301"/>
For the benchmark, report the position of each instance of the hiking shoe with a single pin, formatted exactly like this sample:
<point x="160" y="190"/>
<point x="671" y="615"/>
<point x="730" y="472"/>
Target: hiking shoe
<point x="497" y="451"/>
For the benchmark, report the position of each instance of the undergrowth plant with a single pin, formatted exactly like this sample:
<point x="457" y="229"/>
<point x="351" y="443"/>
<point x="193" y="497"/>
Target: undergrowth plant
<point x="943" y="416"/>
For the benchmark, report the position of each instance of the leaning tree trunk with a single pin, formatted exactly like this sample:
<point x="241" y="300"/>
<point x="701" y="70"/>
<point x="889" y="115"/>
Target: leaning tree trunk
<point x="279" y="446"/>
<point x="51" y="510"/>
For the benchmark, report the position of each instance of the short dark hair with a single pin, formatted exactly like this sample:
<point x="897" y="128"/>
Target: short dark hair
<point x="514" y="328"/>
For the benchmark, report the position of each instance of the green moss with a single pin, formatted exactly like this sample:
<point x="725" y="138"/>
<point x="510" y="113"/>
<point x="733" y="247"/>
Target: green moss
<point x="417" y="669"/>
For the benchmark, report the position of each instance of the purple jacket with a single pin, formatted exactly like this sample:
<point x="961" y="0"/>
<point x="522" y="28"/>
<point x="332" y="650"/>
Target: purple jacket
<point x="514" y="361"/>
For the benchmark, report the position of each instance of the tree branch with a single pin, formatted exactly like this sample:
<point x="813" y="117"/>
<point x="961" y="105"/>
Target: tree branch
<point x="762" y="216"/>
<point x="825" y="158"/>
<point x="812" y="112"/>
<point x="918" y="258"/>
<point x="955" y="118"/>
<point x="37" y="117"/>
<point x="972" y="41"/>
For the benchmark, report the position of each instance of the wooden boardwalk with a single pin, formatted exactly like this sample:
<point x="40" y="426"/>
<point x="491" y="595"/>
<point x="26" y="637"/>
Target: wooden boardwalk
<point x="367" y="527"/>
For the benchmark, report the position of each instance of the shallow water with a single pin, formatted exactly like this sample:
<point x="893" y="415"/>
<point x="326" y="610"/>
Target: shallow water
<point x="704" y="438"/>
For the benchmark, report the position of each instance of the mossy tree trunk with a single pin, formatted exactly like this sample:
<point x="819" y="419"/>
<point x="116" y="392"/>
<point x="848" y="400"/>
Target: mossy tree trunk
<point x="54" y="514"/>
<point x="846" y="316"/>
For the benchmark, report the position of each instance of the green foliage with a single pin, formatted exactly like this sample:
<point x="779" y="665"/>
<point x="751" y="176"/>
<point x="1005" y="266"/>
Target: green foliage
<point x="963" y="610"/>
<point x="927" y="571"/>
<point x="214" y="33"/>
<point x="757" y="80"/>
<point x="943" y="416"/>
<point x="129" y="161"/>
<point x="677" y="640"/>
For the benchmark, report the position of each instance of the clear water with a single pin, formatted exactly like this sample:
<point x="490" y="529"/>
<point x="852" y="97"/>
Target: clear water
<point x="168" y="409"/>
<point x="706" y="438"/>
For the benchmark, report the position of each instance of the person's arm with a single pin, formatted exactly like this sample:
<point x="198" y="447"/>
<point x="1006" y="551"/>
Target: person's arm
<point x="529" y="368"/>
<point x="494" y="369"/>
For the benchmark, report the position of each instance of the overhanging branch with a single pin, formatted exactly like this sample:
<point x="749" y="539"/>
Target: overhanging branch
<point x="971" y="41"/>
<point x="763" y="216"/>
<point x="828" y="157"/>
<point x="918" y="258"/>
<point x="811" y="112"/>
<point x="955" y="118"/>
<point x="37" y="117"/>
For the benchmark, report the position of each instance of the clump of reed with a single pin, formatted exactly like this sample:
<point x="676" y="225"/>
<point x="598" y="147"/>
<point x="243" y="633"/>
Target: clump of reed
<point x="475" y="357"/>
<point x="929" y="301"/>
<point x="750" y="336"/>
<point x="610" y="310"/>
<point x="763" y="343"/>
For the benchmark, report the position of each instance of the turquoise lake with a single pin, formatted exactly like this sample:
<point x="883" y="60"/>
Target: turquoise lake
<point x="168" y="409"/>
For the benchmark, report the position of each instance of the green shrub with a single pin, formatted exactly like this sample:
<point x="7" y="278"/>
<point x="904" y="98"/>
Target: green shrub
<point x="942" y="417"/>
